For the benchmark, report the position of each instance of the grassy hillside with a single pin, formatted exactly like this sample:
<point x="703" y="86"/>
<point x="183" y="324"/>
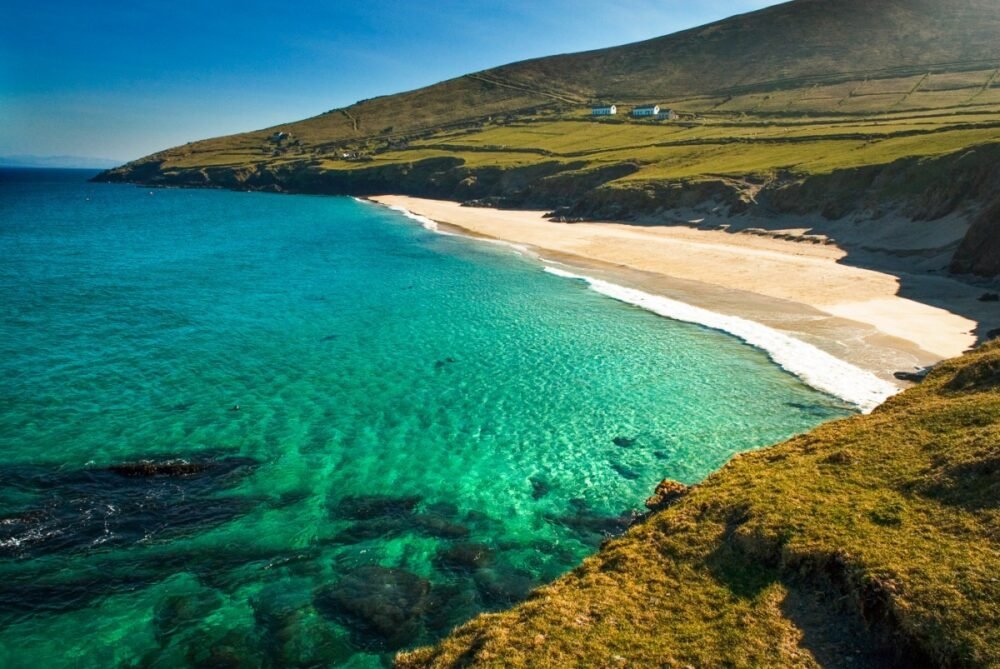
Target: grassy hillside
<point x="871" y="542"/>
<point x="842" y="57"/>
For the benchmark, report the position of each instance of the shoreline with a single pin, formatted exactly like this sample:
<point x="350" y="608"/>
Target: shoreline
<point x="849" y="348"/>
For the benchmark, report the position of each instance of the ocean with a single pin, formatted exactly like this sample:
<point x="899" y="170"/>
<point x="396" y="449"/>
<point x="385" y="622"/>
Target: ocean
<point x="254" y="430"/>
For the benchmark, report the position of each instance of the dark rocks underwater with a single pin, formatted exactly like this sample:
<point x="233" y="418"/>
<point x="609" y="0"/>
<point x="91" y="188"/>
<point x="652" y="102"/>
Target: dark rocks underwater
<point x="128" y="521"/>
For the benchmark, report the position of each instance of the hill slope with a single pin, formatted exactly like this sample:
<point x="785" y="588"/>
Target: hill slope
<point x="871" y="542"/>
<point x="786" y="46"/>
<point x="767" y="100"/>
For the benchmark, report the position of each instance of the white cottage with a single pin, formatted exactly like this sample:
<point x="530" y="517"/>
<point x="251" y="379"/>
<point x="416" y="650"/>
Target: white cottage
<point x="648" y="110"/>
<point x="604" y="111"/>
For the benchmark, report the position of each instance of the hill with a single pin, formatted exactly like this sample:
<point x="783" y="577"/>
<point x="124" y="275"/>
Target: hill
<point x="787" y="47"/>
<point x="766" y="102"/>
<point x="57" y="162"/>
<point x="871" y="542"/>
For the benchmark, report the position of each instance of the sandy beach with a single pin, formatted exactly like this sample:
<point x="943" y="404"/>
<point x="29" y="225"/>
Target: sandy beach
<point x="798" y="288"/>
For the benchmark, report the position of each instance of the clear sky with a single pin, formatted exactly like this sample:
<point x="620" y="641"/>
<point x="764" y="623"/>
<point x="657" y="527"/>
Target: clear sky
<point x="123" y="78"/>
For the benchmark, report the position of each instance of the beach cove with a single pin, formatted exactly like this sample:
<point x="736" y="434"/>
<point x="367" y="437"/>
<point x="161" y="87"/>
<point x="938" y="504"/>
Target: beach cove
<point x="797" y="288"/>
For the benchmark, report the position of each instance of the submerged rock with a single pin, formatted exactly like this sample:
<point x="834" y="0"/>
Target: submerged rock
<point x="93" y="509"/>
<point x="452" y="605"/>
<point x="592" y="527"/>
<point x="380" y="517"/>
<point x="441" y="364"/>
<point x="811" y="409"/>
<point x="624" y="442"/>
<point x="464" y="557"/>
<point x="437" y="525"/>
<point x="382" y="607"/>
<point x="626" y="472"/>
<point x="293" y="634"/>
<point x="148" y="468"/>
<point x="176" y="613"/>
<point x="233" y="650"/>
<point x="539" y="488"/>
<point x="368" y="507"/>
<point x="180" y="467"/>
<point x="447" y="509"/>
<point x="377" y="528"/>
<point x="503" y="586"/>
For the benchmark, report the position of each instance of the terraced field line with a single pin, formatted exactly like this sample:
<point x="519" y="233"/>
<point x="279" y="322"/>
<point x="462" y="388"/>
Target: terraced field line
<point x="985" y="87"/>
<point x="913" y="90"/>
<point x="353" y="120"/>
<point x="524" y="89"/>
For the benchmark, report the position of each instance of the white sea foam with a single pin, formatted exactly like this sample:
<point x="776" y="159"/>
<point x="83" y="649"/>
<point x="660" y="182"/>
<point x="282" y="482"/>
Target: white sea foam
<point x="422" y="220"/>
<point x="814" y="366"/>
<point x="434" y="227"/>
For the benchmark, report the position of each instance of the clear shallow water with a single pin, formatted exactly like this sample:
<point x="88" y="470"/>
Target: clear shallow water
<point x="427" y="425"/>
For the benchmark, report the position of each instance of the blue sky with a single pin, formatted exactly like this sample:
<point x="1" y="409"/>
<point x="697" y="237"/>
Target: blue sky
<point x="121" y="79"/>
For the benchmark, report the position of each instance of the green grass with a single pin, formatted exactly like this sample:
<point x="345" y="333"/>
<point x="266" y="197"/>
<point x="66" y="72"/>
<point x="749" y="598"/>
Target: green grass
<point x="717" y="144"/>
<point x="853" y="59"/>
<point x="870" y="535"/>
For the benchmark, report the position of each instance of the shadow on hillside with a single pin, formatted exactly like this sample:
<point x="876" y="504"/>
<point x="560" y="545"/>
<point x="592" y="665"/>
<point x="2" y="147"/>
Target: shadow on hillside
<point x="834" y="636"/>
<point x="831" y="629"/>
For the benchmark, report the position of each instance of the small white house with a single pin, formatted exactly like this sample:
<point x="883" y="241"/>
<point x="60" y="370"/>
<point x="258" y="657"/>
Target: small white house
<point x="604" y="111"/>
<point x="648" y="110"/>
<point x="667" y="115"/>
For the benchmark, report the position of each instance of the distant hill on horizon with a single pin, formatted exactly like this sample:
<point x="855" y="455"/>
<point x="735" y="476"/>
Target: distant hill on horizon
<point x="53" y="162"/>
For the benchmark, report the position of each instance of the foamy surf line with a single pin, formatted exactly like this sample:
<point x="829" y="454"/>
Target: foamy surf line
<point x="433" y="226"/>
<point x="422" y="220"/>
<point x="813" y="366"/>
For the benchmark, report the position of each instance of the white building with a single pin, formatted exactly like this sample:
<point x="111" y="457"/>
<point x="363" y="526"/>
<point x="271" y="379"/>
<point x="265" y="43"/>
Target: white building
<point x="667" y="115"/>
<point x="604" y="111"/>
<point x="652" y="110"/>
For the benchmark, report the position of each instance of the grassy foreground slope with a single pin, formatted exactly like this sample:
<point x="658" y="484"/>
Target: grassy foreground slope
<point x="871" y="542"/>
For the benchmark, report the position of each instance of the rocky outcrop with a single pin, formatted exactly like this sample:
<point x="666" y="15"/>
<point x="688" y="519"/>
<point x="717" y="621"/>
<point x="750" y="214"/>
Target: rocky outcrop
<point x="381" y="607"/>
<point x="543" y="185"/>
<point x="667" y="492"/>
<point x="980" y="251"/>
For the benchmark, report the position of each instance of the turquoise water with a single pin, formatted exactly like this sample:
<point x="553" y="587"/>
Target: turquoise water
<point x="428" y="426"/>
